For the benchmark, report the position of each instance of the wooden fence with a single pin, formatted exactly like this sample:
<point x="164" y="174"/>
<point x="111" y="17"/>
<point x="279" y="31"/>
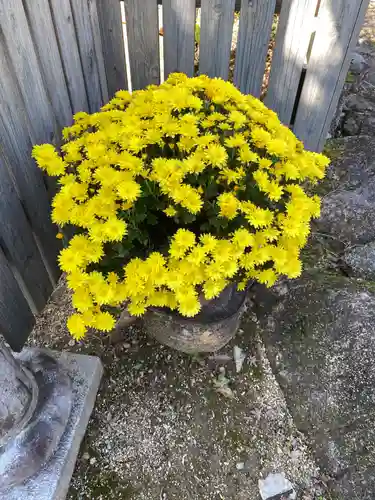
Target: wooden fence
<point x="58" y="57"/>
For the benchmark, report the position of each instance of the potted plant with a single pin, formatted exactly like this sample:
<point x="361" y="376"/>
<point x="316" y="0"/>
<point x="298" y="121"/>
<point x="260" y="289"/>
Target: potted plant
<point x="180" y="195"/>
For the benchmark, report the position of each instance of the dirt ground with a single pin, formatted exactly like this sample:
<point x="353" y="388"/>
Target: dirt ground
<point x="171" y="426"/>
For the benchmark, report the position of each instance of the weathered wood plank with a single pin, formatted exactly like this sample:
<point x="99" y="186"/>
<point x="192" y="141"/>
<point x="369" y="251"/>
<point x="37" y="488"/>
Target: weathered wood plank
<point x="16" y="318"/>
<point x="15" y="131"/>
<point x="179" y="33"/>
<point x="198" y="3"/>
<point x="43" y="32"/>
<point x="16" y="37"/>
<point x="113" y="45"/>
<point x="238" y="4"/>
<point x="68" y="44"/>
<point x="216" y="37"/>
<point x="292" y="40"/>
<point x="87" y="50"/>
<point x="18" y="241"/>
<point x="339" y="23"/>
<point x="94" y="19"/>
<point x="143" y="40"/>
<point x="253" y="38"/>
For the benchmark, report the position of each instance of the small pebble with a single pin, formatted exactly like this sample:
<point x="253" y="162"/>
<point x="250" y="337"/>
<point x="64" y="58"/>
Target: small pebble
<point x="126" y="345"/>
<point x="71" y="343"/>
<point x="92" y="461"/>
<point x="85" y="456"/>
<point x="240" y="466"/>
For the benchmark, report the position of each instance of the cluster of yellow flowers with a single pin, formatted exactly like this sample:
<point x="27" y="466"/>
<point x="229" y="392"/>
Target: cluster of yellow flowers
<point x="214" y="169"/>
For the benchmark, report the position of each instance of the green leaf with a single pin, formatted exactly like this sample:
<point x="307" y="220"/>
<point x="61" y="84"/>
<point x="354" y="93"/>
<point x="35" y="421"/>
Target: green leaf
<point x="187" y="217"/>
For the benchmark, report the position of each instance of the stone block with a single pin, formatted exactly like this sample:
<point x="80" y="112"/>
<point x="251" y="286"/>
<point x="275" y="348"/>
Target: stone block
<point x="52" y="481"/>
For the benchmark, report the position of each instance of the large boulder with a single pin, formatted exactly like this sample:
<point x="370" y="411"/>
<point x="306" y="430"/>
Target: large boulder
<point x="348" y="205"/>
<point x="360" y="261"/>
<point x="320" y="339"/>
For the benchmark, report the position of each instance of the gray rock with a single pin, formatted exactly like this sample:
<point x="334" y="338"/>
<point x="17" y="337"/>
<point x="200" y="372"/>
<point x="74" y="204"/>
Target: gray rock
<point x="358" y="64"/>
<point x="52" y="481"/>
<point x="371" y="77"/>
<point x="368" y="125"/>
<point x="361" y="261"/>
<point x="351" y="124"/>
<point x="348" y="204"/>
<point x="357" y="102"/>
<point x="321" y="344"/>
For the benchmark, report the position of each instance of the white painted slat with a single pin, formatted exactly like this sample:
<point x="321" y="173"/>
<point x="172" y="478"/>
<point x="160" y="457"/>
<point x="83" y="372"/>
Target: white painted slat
<point x="43" y="32"/>
<point x="292" y="39"/>
<point x="179" y="33"/>
<point x="216" y="37"/>
<point x="339" y="24"/>
<point x="113" y="44"/>
<point x="67" y="39"/>
<point x="143" y="40"/>
<point x="253" y="38"/>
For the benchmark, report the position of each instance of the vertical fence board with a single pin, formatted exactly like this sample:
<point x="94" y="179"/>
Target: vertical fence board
<point x="17" y="38"/>
<point x="143" y="40"/>
<point x="97" y="37"/>
<point x="16" y="318"/>
<point x="253" y="39"/>
<point x="179" y="35"/>
<point x="67" y="40"/>
<point x="43" y="32"/>
<point x="87" y="50"/>
<point x="292" y="40"/>
<point x="17" y="145"/>
<point x="18" y="241"/>
<point x="216" y="37"/>
<point x="113" y="45"/>
<point x="339" y="23"/>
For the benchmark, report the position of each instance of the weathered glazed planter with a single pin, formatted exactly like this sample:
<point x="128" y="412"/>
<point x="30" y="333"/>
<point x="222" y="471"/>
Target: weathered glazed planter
<point x="214" y="326"/>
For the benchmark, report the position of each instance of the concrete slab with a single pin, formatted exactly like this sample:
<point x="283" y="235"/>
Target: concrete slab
<point x="52" y="482"/>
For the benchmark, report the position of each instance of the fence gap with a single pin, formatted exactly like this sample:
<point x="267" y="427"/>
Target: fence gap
<point x="126" y="46"/>
<point x="161" y="41"/>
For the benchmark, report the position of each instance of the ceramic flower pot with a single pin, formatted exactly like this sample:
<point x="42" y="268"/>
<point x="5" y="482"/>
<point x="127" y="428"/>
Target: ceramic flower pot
<point x="214" y="326"/>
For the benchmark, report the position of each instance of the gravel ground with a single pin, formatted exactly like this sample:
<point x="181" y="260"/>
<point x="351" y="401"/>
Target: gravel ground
<point x="171" y="426"/>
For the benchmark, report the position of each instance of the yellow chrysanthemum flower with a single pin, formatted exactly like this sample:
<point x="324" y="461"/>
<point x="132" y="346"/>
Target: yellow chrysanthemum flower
<point x="170" y="211"/>
<point x="76" y="326"/>
<point x="228" y="204"/>
<point x="193" y="147"/>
